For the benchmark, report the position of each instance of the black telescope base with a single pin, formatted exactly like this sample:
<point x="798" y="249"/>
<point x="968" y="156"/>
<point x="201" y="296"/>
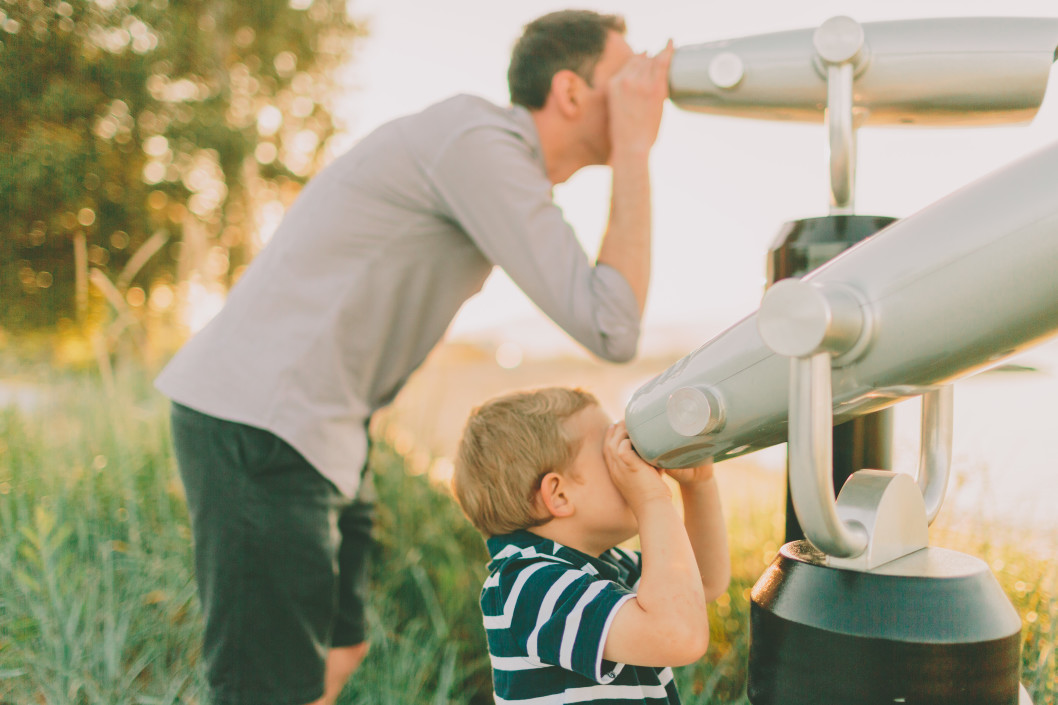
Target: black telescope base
<point x="932" y="628"/>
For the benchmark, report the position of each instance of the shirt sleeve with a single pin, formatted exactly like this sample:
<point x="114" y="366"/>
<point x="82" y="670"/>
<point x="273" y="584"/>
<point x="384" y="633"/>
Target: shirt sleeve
<point x="492" y="187"/>
<point x="562" y="618"/>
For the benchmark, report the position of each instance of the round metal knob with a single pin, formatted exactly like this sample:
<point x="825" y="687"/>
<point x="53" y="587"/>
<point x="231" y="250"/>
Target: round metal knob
<point x="798" y="318"/>
<point x="726" y="70"/>
<point x="694" y="411"/>
<point x="839" y="40"/>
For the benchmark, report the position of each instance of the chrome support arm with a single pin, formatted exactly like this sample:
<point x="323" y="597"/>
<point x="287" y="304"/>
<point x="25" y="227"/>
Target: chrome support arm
<point x="811" y="325"/>
<point x="841" y="134"/>
<point x="934" y="463"/>
<point x="811" y="459"/>
<point x="840" y="46"/>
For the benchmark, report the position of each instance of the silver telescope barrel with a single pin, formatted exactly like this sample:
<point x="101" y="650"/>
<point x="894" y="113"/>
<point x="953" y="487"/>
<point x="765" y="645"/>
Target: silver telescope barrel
<point x="931" y="72"/>
<point x="964" y="283"/>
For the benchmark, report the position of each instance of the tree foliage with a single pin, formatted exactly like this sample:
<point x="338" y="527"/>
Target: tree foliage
<point x="140" y="139"/>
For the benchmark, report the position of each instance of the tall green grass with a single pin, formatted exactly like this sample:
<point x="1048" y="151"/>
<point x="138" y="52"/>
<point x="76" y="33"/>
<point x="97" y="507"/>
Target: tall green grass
<point x="97" y="603"/>
<point x="97" y="599"/>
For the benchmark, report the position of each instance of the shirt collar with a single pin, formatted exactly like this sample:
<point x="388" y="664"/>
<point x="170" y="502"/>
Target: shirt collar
<point x="523" y="544"/>
<point x="521" y="116"/>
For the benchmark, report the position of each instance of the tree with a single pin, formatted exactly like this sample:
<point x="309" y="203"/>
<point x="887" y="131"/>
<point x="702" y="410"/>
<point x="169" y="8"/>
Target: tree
<point x="139" y="139"/>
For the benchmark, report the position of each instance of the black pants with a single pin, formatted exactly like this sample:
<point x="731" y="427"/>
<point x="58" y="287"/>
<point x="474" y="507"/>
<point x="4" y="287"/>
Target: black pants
<point x="281" y="560"/>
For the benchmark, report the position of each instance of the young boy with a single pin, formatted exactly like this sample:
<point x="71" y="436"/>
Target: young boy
<point x="555" y="487"/>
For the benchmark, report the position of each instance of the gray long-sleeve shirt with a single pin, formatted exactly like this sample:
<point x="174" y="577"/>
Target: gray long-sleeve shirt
<point x="371" y="264"/>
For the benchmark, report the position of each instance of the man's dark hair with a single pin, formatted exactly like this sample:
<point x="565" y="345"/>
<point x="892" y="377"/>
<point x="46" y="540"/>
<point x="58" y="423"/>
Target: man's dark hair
<point x="568" y="39"/>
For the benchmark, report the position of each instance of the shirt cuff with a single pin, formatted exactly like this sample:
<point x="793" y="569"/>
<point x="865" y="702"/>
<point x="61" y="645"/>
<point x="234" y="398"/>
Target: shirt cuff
<point x="617" y="315"/>
<point x="607" y="671"/>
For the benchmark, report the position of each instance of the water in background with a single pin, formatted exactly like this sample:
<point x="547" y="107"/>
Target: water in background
<point x="1006" y="425"/>
<point x="1003" y="456"/>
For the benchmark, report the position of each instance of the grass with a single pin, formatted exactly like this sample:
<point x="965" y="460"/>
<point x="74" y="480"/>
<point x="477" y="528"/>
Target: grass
<point x="97" y="600"/>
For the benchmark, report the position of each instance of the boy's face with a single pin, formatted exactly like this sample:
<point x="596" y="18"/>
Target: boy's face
<point x="604" y="517"/>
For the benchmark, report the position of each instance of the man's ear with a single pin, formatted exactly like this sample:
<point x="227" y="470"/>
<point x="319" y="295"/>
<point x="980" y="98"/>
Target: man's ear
<point x="565" y="92"/>
<point x="553" y="495"/>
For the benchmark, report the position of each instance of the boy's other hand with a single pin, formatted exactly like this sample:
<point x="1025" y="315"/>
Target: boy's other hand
<point x="688" y="476"/>
<point x="637" y="481"/>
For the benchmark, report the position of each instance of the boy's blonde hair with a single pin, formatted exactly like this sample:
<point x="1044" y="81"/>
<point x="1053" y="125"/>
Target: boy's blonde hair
<point x="508" y="445"/>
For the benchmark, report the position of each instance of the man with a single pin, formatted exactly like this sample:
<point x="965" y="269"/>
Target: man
<point x="359" y="283"/>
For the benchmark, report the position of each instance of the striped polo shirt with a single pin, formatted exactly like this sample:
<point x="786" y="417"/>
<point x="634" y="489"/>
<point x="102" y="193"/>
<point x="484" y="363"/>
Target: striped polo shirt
<point x="547" y="609"/>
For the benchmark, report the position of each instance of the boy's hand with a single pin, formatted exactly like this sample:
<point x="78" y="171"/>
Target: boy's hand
<point x="687" y="476"/>
<point x="667" y="622"/>
<point x="637" y="481"/>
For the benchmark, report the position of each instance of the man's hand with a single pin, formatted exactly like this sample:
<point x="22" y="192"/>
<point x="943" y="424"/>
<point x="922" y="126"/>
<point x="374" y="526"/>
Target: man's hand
<point x="689" y="476"/>
<point x="635" y="99"/>
<point x="636" y="480"/>
<point x="637" y="96"/>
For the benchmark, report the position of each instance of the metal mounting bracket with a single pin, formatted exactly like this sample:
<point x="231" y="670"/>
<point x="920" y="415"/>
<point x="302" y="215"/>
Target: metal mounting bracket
<point x="879" y="515"/>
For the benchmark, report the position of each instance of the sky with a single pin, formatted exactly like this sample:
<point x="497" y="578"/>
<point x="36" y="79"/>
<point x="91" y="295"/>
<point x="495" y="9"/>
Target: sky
<point x="723" y="187"/>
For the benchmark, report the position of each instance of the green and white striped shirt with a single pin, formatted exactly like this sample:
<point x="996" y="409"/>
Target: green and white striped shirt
<point x="547" y="609"/>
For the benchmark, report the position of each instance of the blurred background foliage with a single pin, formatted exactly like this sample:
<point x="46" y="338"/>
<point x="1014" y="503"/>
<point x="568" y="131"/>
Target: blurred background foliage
<point x="143" y="141"/>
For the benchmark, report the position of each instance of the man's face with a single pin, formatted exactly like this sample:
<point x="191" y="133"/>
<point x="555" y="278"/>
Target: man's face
<point x="596" y="125"/>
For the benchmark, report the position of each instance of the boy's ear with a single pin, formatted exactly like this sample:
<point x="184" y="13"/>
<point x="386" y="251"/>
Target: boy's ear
<point x="554" y="497"/>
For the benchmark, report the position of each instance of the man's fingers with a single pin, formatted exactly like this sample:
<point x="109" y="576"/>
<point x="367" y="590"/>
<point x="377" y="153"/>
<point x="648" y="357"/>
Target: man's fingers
<point x="647" y="67"/>
<point x="661" y="63"/>
<point x="664" y="57"/>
